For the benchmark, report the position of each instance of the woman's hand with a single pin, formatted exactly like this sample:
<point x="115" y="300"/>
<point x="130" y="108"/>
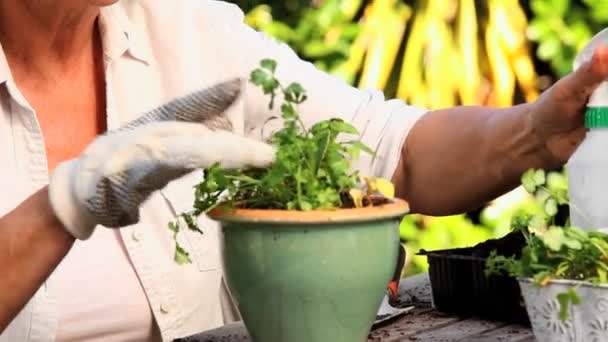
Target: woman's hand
<point x="118" y="171"/>
<point x="557" y="117"/>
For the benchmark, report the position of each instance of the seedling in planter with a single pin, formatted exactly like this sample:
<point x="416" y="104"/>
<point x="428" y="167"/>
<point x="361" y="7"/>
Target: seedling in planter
<point x="312" y="169"/>
<point x="554" y="251"/>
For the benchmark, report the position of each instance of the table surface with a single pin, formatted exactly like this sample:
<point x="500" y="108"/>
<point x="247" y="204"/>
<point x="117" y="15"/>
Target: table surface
<point x="423" y="323"/>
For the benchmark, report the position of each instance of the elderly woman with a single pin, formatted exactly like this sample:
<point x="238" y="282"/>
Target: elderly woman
<point x="72" y="69"/>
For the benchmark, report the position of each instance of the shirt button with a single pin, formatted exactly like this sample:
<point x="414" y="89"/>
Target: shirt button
<point x="136" y="235"/>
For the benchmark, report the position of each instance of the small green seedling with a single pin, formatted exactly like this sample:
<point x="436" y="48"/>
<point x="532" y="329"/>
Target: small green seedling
<point x="553" y="251"/>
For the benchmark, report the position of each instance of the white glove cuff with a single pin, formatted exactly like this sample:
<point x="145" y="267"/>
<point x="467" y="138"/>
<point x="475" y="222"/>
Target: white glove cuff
<point x="75" y="217"/>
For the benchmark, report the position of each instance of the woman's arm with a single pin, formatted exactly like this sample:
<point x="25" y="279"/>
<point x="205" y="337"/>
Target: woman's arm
<point x="32" y="243"/>
<point x="455" y="160"/>
<point x="100" y="188"/>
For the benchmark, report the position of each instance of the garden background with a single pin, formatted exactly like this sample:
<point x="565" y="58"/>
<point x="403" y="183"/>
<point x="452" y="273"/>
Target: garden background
<point x="436" y="54"/>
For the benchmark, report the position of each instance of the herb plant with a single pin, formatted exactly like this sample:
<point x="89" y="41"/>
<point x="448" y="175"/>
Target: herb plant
<point x="553" y="251"/>
<point x="311" y="171"/>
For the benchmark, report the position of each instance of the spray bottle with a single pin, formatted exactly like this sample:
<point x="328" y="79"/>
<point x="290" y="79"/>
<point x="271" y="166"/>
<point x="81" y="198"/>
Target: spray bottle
<point x="588" y="167"/>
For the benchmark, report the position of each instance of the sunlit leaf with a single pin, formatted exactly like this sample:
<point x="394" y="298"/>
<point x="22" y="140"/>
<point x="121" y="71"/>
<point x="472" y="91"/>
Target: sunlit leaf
<point x="343" y="127"/>
<point x="539" y="177"/>
<point x="357" y="196"/>
<point x="553" y="238"/>
<point x="550" y="206"/>
<point x="381" y="185"/>
<point x="528" y="181"/>
<point x="537" y="225"/>
<point x="181" y="255"/>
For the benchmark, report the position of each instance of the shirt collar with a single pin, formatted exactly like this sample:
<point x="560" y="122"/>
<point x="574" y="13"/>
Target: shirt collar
<point x="119" y="36"/>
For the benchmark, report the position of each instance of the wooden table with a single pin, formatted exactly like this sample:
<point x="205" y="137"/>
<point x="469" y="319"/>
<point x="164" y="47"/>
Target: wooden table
<point x="421" y="324"/>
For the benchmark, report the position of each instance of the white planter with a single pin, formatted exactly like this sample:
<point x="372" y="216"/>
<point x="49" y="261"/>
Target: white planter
<point x="587" y="321"/>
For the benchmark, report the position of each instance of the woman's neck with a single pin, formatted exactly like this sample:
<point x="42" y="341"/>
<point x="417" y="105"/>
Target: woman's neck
<point x="44" y="35"/>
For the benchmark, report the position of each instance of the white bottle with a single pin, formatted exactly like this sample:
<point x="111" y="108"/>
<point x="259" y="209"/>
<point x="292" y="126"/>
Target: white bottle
<point x="588" y="166"/>
<point x="588" y="173"/>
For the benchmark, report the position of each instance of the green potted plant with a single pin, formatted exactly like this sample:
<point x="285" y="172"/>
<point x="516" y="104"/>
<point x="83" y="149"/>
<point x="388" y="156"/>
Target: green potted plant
<point x="562" y="270"/>
<point x="308" y="250"/>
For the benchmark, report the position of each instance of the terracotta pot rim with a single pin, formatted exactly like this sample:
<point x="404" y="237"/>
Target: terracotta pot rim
<point x="565" y="282"/>
<point x="396" y="208"/>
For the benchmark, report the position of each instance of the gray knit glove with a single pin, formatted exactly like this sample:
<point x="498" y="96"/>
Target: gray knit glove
<point x="120" y="170"/>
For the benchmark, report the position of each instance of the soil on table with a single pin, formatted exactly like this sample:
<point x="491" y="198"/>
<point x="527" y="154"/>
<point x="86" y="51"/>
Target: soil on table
<point x="373" y="200"/>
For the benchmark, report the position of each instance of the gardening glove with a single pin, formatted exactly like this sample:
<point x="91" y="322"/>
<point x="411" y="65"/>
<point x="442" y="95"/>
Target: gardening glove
<point x="121" y="169"/>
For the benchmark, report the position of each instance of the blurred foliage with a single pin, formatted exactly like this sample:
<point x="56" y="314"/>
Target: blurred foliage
<point x="425" y="52"/>
<point x="437" y="54"/>
<point x="436" y="233"/>
<point x="562" y="27"/>
<point x="287" y="11"/>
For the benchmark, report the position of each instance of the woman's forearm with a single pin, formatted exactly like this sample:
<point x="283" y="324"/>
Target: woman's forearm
<point x="32" y="243"/>
<point x="457" y="159"/>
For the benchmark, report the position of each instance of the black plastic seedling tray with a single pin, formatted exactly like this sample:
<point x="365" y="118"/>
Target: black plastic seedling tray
<point x="460" y="286"/>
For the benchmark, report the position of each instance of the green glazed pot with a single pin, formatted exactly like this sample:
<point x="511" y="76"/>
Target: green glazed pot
<point x="316" y="276"/>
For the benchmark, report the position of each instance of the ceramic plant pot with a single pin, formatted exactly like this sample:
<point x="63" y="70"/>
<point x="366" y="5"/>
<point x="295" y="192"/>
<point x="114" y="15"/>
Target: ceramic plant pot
<point x="314" y="276"/>
<point x="587" y="321"/>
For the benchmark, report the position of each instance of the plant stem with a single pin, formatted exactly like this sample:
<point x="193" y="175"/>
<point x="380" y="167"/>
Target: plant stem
<point x="299" y="186"/>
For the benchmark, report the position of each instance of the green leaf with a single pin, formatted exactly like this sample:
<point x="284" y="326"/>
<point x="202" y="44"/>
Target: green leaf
<point x="562" y="268"/>
<point x="181" y="255"/>
<point x="561" y="196"/>
<point x="354" y="152"/>
<point x="380" y="185"/>
<point x="541" y="278"/>
<point x="305" y="206"/>
<point x="537" y="225"/>
<point x="295" y="93"/>
<point x="564" y="304"/>
<point x="322" y="141"/>
<point x="270" y="85"/>
<point x="340" y="126"/>
<point x="565" y="299"/>
<point x="269" y="65"/>
<point x="539" y="177"/>
<point x="191" y="223"/>
<point x="363" y="147"/>
<point x="173" y="227"/>
<point x="528" y="181"/>
<point x="550" y="206"/>
<point x="289" y="112"/>
<point x="553" y="238"/>
<point x="602" y="274"/>
<point x="521" y="221"/>
<point x="573" y="244"/>
<point x="258" y="77"/>
<point x="557" y="181"/>
<point x="357" y="197"/>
